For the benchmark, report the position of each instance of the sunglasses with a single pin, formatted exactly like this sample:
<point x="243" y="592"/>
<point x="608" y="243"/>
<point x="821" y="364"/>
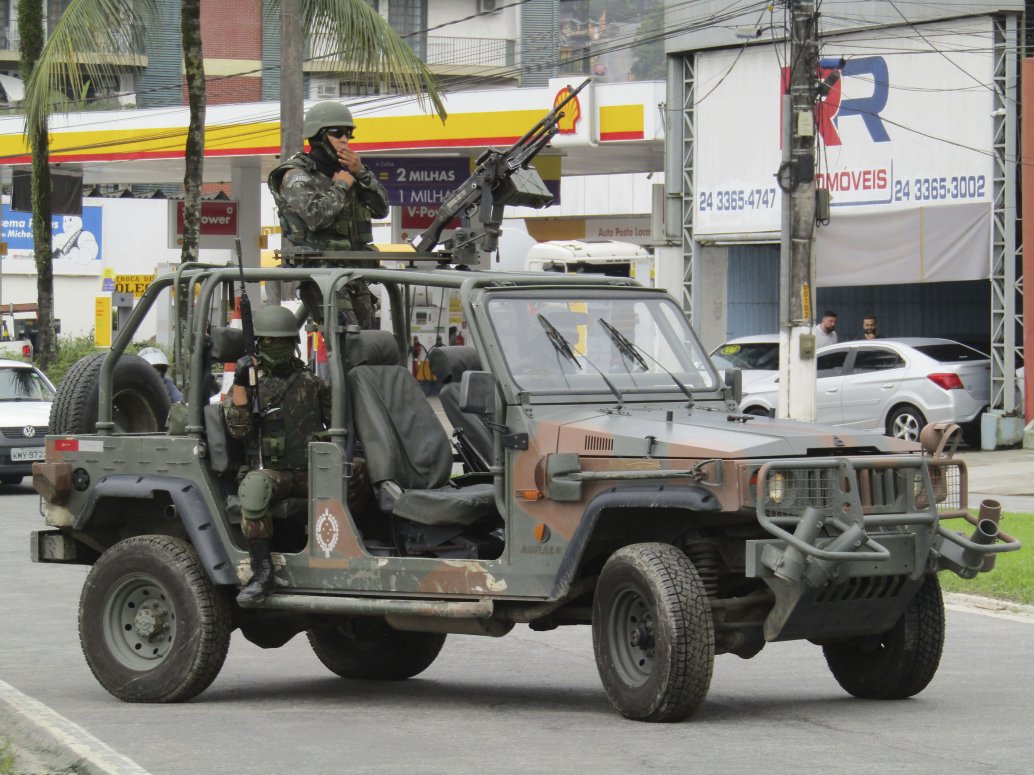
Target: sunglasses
<point x="341" y="131"/>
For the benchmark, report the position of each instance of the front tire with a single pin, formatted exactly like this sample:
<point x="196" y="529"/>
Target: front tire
<point x="902" y="661"/>
<point x="653" y="633"/>
<point x="905" y="422"/>
<point x="152" y="625"/>
<point x="367" y="648"/>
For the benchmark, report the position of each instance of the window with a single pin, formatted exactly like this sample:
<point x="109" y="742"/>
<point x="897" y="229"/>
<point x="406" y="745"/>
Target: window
<point x="831" y="364"/>
<point x="409" y="19"/>
<point x="867" y="360"/>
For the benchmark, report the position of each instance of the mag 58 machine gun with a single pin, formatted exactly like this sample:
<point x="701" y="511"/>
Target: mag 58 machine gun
<point x="501" y="178"/>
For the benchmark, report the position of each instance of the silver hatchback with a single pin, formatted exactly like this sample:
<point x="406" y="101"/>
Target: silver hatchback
<point x="893" y="385"/>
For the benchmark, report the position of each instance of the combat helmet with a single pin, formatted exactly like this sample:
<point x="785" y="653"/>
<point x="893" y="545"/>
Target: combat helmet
<point x="322" y="115"/>
<point x="274" y="320"/>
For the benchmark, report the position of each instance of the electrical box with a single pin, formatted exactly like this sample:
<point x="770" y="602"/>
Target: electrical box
<point x="807" y="346"/>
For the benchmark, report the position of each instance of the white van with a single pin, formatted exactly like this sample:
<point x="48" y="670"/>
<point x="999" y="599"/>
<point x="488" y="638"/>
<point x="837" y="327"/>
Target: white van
<point x="614" y="259"/>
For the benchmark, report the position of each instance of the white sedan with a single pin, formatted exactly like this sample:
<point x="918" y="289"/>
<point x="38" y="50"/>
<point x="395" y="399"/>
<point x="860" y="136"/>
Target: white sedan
<point x="893" y="385"/>
<point x="25" y="398"/>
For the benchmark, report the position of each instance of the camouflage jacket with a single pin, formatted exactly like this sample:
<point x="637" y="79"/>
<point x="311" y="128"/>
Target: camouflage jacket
<point x="294" y="409"/>
<point x="319" y="213"/>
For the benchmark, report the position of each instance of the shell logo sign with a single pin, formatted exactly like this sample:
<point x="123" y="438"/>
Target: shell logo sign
<point x="568" y="125"/>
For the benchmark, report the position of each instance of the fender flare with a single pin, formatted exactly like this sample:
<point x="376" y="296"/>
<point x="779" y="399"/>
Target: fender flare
<point x="190" y="505"/>
<point x="692" y="498"/>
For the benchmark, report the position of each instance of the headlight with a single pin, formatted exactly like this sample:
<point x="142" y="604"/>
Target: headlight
<point x="776" y="487"/>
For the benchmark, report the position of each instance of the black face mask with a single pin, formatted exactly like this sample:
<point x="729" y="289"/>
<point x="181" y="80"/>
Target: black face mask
<point x="278" y="355"/>
<point x="324" y="155"/>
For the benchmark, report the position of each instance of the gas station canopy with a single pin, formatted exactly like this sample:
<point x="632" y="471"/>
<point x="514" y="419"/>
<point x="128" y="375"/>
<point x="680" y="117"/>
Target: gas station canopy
<point x="611" y="128"/>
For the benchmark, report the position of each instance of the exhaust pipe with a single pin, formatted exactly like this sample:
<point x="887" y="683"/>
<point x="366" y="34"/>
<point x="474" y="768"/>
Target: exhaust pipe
<point x="985" y="534"/>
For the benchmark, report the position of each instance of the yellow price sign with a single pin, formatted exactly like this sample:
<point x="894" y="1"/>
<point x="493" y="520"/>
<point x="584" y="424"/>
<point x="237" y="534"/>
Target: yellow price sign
<point x="135" y="284"/>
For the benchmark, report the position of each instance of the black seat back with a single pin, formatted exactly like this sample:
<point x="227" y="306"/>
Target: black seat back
<point x="449" y="365"/>
<point x="403" y="440"/>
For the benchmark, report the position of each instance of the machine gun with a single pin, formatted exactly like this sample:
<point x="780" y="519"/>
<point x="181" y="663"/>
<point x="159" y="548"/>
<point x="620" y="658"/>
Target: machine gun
<point x="500" y="178"/>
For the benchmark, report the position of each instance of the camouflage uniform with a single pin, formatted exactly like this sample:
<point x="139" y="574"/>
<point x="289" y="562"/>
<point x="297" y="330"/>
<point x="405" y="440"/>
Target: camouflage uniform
<point x="294" y="408"/>
<point x="322" y="214"/>
<point x="319" y="213"/>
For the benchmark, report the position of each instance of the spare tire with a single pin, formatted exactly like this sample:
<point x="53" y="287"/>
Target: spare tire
<point x="139" y="401"/>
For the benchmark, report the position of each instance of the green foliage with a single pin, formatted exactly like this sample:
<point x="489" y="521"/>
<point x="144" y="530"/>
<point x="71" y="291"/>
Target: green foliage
<point x="7" y="757"/>
<point x="1013" y="575"/>
<point x="70" y="349"/>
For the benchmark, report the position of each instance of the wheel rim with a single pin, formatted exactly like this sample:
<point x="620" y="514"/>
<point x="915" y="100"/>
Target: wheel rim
<point x="906" y="426"/>
<point x="131" y="413"/>
<point x="139" y="622"/>
<point x="630" y="636"/>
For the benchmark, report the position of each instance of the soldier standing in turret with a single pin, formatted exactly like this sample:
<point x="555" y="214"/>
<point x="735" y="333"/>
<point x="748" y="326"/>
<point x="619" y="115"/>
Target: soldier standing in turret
<point x="294" y="405"/>
<point x="326" y="197"/>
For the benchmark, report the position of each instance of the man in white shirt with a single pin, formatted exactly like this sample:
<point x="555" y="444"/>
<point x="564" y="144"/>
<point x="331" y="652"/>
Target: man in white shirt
<point x="826" y="331"/>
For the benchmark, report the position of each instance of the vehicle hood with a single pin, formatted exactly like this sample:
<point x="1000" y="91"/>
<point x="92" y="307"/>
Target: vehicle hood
<point x="22" y="413"/>
<point x="701" y="433"/>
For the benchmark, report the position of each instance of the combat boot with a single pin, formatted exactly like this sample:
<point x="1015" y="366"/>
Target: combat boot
<point x="263" y="580"/>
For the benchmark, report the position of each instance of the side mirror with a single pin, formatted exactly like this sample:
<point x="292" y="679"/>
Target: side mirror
<point x="734" y="384"/>
<point x="477" y="393"/>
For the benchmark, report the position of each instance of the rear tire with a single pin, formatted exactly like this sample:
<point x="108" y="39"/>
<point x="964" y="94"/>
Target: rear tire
<point x="139" y="402"/>
<point x="367" y="648"/>
<point x="902" y="661"/>
<point x="905" y="422"/>
<point x="11" y="480"/>
<point x="152" y="625"/>
<point x="653" y="633"/>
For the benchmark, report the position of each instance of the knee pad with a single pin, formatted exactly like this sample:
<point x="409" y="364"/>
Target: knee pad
<point x="255" y="492"/>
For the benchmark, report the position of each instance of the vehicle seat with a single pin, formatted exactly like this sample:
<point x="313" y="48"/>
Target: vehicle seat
<point x="408" y="456"/>
<point x="448" y="364"/>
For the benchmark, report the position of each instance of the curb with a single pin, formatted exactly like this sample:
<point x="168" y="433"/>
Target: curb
<point x="41" y="735"/>
<point x="988" y="606"/>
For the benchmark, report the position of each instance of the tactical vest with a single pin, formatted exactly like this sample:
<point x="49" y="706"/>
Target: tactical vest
<point x="353" y="229"/>
<point x="291" y="417"/>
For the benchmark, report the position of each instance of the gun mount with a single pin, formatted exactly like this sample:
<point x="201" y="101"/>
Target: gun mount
<point x="500" y="178"/>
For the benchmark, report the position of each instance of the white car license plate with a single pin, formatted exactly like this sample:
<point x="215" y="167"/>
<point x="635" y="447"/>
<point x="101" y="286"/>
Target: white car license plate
<point x="28" y="453"/>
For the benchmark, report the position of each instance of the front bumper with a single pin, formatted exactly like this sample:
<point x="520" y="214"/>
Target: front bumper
<point x="852" y="539"/>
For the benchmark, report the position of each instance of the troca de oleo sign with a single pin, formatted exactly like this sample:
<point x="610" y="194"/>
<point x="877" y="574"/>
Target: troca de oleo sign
<point x="602" y="114"/>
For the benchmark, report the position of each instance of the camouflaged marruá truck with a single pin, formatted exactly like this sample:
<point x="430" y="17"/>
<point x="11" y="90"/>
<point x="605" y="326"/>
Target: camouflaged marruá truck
<point x="599" y="474"/>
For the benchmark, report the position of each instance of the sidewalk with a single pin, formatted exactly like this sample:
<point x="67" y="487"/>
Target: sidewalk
<point x="1005" y="475"/>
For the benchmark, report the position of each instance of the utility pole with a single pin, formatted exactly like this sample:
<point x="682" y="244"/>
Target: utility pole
<point x="292" y="59"/>
<point x="796" y="178"/>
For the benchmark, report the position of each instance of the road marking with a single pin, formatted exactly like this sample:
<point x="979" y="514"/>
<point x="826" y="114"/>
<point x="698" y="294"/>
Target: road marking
<point x="52" y="730"/>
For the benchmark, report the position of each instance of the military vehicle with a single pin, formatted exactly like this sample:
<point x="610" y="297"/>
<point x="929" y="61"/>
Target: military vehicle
<point x="606" y="478"/>
<point x="599" y="474"/>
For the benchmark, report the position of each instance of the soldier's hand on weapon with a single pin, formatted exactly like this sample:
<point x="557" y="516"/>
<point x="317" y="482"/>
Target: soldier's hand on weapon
<point x="244" y="377"/>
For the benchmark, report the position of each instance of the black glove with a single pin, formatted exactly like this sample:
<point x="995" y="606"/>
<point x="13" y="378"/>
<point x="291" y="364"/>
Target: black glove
<point x="242" y="375"/>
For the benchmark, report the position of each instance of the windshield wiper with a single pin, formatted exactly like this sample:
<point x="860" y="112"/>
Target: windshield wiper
<point x="562" y="346"/>
<point x="556" y="339"/>
<point x="624" y="345"/>
<point x="627" y="347"/>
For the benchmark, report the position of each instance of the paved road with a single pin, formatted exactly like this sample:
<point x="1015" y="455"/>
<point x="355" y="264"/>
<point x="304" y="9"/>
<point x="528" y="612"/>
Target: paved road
<point x="526" y="703"/>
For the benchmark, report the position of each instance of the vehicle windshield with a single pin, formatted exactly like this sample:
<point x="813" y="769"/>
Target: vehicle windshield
<point x="584" y="344"/>
<point x="23" y="385"/>
<point x="747" y="355"/>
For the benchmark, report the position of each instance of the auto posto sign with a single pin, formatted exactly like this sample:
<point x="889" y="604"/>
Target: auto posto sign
<point x="219" y="224"/>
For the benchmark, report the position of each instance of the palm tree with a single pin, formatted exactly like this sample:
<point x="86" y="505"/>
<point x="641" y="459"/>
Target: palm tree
<point x="368" y="43"/>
